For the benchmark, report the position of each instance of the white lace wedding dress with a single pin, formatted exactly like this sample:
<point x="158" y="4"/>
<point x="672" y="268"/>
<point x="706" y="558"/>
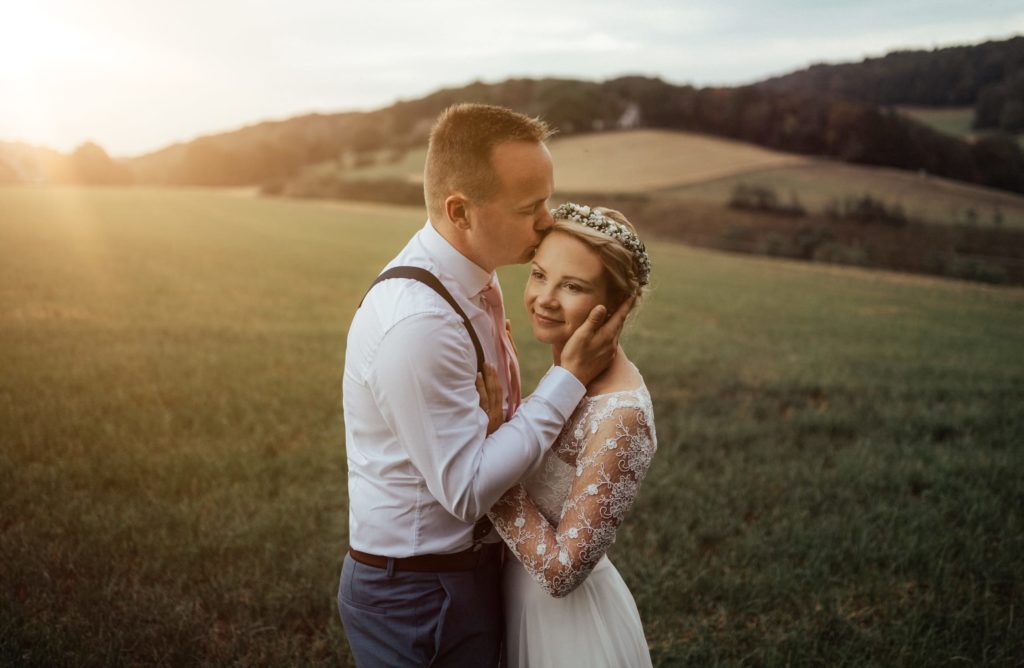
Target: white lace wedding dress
<point x="565" y="603"/>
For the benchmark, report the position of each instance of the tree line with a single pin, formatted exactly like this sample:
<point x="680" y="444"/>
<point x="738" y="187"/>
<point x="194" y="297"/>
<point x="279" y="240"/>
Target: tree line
<point x="787" y="114"/>
<point x="988" y="76"/>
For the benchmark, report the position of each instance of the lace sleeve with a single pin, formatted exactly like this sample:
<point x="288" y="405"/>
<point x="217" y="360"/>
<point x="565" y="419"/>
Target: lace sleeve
<point x="615" y="456"/>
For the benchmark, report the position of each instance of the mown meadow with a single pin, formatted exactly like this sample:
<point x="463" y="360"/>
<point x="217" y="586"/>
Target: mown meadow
<point x="839" y="480"/>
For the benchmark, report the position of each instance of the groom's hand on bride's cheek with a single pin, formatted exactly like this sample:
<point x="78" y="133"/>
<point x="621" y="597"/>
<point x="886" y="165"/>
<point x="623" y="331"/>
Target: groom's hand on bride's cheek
<point x="592" y="347"/>
<point x="618" y="319"/>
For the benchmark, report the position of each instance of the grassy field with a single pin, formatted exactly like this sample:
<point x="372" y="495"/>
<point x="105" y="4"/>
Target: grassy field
<point x="816" y="183"/>
<point x="956" y="121"/>
<point x="838" y="480"/>
<point x="642" y="160"/>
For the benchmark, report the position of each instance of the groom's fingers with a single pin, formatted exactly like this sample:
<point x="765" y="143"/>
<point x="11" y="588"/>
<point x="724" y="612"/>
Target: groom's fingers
<point x="618" y="319"/>
<point x="508" y="330"/>
<point x="605" y="326"/>
<point x="597" y="316"/>
<point x="493" y="386"/>
<point x="481" y="389"/>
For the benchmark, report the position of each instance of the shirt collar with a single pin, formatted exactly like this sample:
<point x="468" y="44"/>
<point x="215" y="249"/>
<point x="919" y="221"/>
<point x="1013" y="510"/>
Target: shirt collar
<point x="467" y="274"/>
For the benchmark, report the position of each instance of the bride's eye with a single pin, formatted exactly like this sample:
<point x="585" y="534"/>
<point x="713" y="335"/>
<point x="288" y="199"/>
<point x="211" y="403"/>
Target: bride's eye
<point x="572" y="287"/>
<point x="536" y="274"/>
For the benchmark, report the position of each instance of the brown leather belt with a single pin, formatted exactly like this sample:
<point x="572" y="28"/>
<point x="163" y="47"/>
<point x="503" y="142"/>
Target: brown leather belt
<point x="466" y="560"/>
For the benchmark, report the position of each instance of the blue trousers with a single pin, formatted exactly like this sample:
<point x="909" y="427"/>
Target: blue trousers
<point x="403" y="619"/>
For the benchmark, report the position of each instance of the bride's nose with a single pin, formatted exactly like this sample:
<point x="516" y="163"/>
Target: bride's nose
<point x="547" y="299"/>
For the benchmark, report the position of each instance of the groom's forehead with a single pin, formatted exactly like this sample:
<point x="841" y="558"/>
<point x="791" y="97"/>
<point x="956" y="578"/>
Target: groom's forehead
<point x="524" y="169"/>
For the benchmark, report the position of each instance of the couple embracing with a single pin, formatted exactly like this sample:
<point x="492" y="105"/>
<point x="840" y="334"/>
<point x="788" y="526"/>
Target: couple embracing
<point x="479" y="520"/>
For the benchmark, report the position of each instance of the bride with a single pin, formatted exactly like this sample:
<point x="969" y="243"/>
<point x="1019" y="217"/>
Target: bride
<point x="565" y="603"/>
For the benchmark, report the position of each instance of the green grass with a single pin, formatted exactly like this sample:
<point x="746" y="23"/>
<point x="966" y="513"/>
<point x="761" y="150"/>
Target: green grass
<point x="956" y="121"/>
<point x="382" y="165"/>
<point x="838" y="481"/>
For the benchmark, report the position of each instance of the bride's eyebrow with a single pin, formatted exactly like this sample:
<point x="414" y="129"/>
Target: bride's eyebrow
<point x="566" y="278"/>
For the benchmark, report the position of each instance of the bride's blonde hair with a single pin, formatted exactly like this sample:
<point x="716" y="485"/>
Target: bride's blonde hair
<point x="618" y="260"/>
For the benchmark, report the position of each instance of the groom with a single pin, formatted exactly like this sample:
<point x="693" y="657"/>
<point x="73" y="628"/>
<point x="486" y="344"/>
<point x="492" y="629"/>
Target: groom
<point x="420" y="584"/>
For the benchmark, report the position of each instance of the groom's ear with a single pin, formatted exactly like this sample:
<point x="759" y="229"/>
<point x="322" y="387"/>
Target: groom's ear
<point x="456" y="208"/>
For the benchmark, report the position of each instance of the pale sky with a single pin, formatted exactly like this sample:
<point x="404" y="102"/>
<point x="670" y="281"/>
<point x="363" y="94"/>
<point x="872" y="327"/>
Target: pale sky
<point x="138" y="75"/>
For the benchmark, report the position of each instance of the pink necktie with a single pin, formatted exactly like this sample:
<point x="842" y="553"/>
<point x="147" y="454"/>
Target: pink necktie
<point x="509" y="369"/>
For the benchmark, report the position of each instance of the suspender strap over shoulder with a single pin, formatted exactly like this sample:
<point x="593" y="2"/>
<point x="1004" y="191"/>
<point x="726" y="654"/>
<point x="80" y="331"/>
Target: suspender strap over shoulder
<point x="483" y="525"/>
<point x="428" y="279"/>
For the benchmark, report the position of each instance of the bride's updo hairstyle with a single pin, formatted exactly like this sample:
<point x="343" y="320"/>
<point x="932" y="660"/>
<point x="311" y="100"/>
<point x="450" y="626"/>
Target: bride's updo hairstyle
<point x="623" y="255"/>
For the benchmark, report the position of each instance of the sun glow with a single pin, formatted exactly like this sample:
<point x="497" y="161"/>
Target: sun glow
<point x="43" y="57"/>
<point x="34" y="44"/>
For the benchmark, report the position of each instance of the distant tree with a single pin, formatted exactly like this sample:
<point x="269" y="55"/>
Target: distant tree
<point x="866" y="209"/>
<point x="7" y="173"/>
<point x="764" y="199"/>
<point x="1001" y="105"/>
<point x="90" y="164"/>
<point x="206" y="163"/>
<point x="1000" y="162"/>
<point x="951" y="76"/>
<point x="1011" y="118"/>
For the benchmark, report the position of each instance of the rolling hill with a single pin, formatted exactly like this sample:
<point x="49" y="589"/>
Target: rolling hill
<point x="706" y="168"/>
<point x="785" y="114"/>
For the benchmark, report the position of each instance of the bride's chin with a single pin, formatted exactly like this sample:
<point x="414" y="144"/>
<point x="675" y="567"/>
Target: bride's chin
<point x="542" y="335"/>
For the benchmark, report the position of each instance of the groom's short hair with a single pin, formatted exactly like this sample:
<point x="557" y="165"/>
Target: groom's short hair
<point x="459" y="154"/>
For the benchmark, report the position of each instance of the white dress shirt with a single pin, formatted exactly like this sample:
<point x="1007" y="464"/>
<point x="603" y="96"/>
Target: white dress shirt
<point x="421" y="469"/>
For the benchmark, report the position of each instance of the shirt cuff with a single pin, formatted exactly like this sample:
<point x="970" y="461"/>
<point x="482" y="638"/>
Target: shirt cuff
<point x="562" y="390"/>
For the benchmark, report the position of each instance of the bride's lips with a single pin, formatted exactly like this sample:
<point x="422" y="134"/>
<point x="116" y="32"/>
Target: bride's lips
<point x="545" y="321"/>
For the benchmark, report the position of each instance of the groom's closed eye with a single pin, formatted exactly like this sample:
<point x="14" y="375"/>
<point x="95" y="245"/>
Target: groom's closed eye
<point x="532" y="207"/>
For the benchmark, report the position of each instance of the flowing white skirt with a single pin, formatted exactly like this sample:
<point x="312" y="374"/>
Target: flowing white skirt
<point x="596" y="625"/>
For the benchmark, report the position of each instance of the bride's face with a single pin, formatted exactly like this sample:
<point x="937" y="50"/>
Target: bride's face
<point x="566" y="281"/>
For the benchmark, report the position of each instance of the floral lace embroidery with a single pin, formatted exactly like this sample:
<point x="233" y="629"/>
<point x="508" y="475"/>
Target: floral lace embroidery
<point x="607" y="446"/>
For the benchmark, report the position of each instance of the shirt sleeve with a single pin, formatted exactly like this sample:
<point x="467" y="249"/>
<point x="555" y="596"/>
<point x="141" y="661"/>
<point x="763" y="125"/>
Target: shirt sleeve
<point x="424" y="382"/>
<point x="609" y="469"/>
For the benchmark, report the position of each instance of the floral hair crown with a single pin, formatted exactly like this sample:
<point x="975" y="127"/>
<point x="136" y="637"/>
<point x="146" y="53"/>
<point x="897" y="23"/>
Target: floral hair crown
<point x="584" y="215"/>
